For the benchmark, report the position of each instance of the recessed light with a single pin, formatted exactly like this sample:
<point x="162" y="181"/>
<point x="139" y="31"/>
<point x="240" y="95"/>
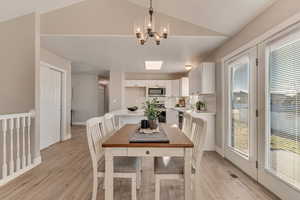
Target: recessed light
<point x="153" y="65"/>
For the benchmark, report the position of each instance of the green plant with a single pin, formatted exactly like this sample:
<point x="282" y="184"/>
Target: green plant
<point x="200" y="105"/>
<point x="151" y="110"/>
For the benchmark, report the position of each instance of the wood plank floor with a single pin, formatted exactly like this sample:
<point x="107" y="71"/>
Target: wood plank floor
<point x="66" y="174"/>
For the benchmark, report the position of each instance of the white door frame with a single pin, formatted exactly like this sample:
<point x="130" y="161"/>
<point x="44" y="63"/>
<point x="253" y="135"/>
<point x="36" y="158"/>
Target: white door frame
<point x="275" y="184"/>
<point x="247" y="164"/>
<point x="63" y="131"/>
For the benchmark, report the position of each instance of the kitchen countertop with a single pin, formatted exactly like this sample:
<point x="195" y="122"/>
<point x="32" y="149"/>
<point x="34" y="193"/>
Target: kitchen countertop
<point x="125" y="112"/>
<point x="183" y="109"/>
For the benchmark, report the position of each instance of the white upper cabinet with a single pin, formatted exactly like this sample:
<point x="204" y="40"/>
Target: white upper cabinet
<point x="175" y="88"/>
<point x="157" y="83"/>
<point x="136" y="83"/>
<point x="184" y="86"/>
<point x="202" y="79"/>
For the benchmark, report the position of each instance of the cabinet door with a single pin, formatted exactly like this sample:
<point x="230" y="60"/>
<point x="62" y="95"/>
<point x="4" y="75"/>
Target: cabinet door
<point x="184" y="86"/>
<point x="175" y="92"/>
<point x="168" y="84"/>
<point x="208" y="78"/>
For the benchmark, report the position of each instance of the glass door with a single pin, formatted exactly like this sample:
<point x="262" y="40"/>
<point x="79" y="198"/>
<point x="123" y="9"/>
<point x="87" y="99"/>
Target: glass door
<point x="279" y="141"/>
<point x="241" y="135"/>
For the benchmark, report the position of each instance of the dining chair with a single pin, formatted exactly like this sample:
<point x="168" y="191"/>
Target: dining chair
<point x="110" y="125"/>
<point x="187" y="124"/>
<point x="170" y="168"/>
<point x="124" y="167"/>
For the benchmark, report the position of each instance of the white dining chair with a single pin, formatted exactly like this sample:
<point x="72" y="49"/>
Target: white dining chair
<point x="124" y="167"/>
<point x="187" y="124"/>
<point x="170" y="168"/>
<point x="110" y="125"/>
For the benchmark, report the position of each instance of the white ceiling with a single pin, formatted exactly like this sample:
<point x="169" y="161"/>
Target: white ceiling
<point x="223" y="16"/>
<point x="14" y="8"/>
<point x="97" y="54"/>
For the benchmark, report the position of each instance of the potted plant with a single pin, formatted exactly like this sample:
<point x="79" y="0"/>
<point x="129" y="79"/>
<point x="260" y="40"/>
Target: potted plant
<point x="152" y="113"/>
<point x="200" y="106"/>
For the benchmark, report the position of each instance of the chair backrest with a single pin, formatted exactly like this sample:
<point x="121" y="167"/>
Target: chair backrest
<point x="110" y="125"/>
<point x="199" y="132"/>
<point x="95" y="135"/>
<point x="187" y="124"/>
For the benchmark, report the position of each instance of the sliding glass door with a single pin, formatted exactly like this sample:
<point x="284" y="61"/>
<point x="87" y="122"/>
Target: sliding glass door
<point x="279" y="141"/>
<point x="240" y="146"/>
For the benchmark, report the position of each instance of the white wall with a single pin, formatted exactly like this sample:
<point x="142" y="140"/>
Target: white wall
<point x="85" y="97"/>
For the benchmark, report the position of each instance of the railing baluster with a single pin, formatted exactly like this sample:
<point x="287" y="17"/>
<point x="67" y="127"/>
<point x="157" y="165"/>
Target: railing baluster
<point x="23" y="142"/>
<point x="18" y="144"/>
<point x="16" y="150"/>
<point x="11" y="163"/>
<point x="28" y="138"/>
<point x="4" y="164"/>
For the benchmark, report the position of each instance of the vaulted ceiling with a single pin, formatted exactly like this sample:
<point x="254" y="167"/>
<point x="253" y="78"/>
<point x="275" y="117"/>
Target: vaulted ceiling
<point x="84" y="31"/>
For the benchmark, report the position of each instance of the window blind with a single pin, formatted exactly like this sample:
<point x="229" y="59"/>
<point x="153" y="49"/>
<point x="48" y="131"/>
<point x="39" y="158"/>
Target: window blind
<point x="284" y="113"/>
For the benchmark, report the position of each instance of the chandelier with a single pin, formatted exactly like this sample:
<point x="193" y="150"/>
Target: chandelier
<point x="148" y="30"/>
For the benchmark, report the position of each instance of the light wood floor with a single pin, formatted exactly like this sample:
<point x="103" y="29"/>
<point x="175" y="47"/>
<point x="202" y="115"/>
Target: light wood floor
<point x="66" y="174"/>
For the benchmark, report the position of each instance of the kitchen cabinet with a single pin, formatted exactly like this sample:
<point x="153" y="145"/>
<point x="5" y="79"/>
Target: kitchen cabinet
<point x="136" y="83"/>
<point x="184" y="87"/>
<point x="202" y="79"/>
<point x="157" y="83"/>
<point x="175" y="88"/>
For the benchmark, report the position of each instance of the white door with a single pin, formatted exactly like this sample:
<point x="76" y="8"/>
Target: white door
<point x="279" y="102"/>
<point x="50" y="107"/>
<point x="241" y="129"/>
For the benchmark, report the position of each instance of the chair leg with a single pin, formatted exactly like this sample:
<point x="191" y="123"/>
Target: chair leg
<point x="95" y="186"/>
<point x="139" y="174"/>
<point x="157" y="188"/>
<point x="133" y="188"/>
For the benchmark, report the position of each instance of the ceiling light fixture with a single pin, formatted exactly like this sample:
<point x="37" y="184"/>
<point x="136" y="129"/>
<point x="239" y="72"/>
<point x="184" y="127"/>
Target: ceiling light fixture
<point x="153" y="65"/>
<point x="148" y="31"/>
<point x="188" y="67"/>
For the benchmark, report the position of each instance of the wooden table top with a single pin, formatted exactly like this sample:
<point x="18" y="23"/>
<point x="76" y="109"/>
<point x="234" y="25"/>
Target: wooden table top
<point x="121" y="138"/>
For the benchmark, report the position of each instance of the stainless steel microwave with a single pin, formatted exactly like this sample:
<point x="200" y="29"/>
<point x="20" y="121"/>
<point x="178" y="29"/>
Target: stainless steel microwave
<point x="156" y="92"/>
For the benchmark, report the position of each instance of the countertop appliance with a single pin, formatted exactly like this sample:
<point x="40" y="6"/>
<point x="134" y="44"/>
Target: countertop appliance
<point x="156" y="92"/>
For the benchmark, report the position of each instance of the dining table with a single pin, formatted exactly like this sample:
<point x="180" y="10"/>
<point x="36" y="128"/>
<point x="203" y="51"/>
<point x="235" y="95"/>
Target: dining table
<point x="119" y="144"/>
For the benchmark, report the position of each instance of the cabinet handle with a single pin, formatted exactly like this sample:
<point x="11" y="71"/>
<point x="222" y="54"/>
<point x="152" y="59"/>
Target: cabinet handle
<point x="147" y="152"/>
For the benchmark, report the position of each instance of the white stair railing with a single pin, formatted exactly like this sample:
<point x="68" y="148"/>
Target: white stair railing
<point x="15" y="133"/>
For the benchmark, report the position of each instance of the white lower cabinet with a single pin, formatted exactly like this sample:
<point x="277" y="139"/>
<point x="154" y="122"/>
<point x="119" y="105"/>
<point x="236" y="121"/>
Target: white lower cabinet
<point x="172" y="118"/>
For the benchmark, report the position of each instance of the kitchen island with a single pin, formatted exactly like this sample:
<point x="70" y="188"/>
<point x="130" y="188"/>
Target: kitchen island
<point x="125" y="116"/>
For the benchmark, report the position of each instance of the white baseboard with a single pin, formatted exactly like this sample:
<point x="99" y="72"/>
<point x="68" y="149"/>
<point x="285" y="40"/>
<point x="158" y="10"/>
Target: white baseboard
<point x="220" y="151"/>
<point x="36" y="162"/>
<point x="67" y="137"/>
<point x="79" y="123"/>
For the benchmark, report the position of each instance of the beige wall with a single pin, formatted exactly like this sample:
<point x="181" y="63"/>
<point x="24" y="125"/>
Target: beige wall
<point x="273" y="16"/>
<point x="62" y="63"/>
<point x="19" y="55"/>
<point x="108" y="17"/>
<point x="17" y="61"/>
